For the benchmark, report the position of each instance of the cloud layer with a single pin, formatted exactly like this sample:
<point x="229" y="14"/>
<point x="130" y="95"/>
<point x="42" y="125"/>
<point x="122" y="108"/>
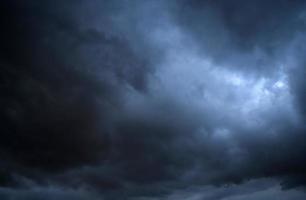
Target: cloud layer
<point x="152" y="100"/>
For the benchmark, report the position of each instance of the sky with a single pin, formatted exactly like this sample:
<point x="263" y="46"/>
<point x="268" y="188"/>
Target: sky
<point x="152" y="100"/>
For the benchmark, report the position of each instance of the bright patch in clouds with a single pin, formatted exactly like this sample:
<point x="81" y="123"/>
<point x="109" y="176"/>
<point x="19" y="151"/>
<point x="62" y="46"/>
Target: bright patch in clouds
<point x="194" y="80"/>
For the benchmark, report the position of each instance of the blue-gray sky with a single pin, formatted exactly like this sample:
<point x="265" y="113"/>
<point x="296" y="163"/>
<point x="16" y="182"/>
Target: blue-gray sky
<point x="153" y="100"/>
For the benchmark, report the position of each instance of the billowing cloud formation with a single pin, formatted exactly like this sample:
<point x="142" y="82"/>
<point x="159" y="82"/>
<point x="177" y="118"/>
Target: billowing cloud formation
<point x="152" y="99"/>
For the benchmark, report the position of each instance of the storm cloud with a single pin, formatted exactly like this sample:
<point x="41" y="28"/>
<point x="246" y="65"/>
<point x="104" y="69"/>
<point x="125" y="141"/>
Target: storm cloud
<point x="143" y="100"/>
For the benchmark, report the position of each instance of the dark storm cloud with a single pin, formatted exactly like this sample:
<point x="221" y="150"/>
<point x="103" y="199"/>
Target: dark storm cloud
<point x="256" y="37"/>
<point x="50" y="193"/>
<point x="249" y="22"/>
<point x="104" y="99"/>
<point x="55" y="110"/>
<point x="298" y="71"/>
<point x="246" y="34"/>
<point x="259" y="189"/>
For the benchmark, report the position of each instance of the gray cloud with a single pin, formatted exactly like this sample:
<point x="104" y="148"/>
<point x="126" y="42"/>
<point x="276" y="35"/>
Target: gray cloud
<point x="49" y="193"/>
<point x="151" y="99"/>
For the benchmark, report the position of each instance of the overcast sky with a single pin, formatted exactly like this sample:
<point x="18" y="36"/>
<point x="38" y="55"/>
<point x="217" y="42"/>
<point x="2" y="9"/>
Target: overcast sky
<point x="153" y="100"/>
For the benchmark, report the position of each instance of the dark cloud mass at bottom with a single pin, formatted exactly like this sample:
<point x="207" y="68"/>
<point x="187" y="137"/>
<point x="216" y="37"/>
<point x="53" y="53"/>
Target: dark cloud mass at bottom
<point x="152" y="100"/>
